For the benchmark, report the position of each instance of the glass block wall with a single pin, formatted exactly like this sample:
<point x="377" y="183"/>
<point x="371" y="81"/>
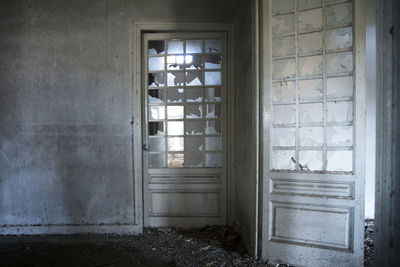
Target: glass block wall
<point x="312" y="85"/>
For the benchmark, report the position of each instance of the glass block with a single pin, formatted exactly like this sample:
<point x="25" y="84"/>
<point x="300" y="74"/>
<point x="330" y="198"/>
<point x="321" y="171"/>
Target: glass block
<point x="311" y="113"/>
<point x="339" y="38"/>
<point x="282" y="5"/>
<point x="212" y="46"/>
<point x="175" y="95"/>
<point x="156" y="47"/>
<point x="193" y="46"/>
<point x="284" y="91"/>
<point x="311" y="89"/>
<point x="156" y="63"/>
<point x="175" y="127"/>
<point x="175" y="47"/>
<point x="310" y="160"/>
<point x="284" y="114"/>
<point x="339" y="87"/>
<point x="339" y="62"/>
<point x="283" y="46"/>
<point x="214" y="143"/>
<point x="213" y="160"/>
<point x="156" y="96"/>
<point x="213" y="94"/>
<point x="194" y="143"/>
<point x="175" y="144"/>
<point x="213" y="127"/>
<point x="156" y="112"/>
<point x="156" y="128"/>
<point x="213" y="111"/>
<point x="283" y="160"/>
<point x="311" y="136"/>
<point x="157" y="160"/>
<point x="193" y="127"/>
<point x="284" y="136"/>
<point x="339" y="135"/>
<point x="282" y="24"/>
<point x="194" y="112"/>
<point x="308" y="3"/>
<point x="175" y="160"/>
<point x="339" y="161"/>
<point x="194" y="159"/>
<point x="194" y="95"/>
<point x="213" y="78"/>
<point x="174" y="112"/>
<point x="310" y="43"/>
<point x="310" y="65"/>
<point x="157" y="144"/>
<point x="212" y="61"/>
<point x="310" y="20"/>
<point x="176" y="62"/>
<point x="284" y="68"/>
<point x="339" y="111"/>
<point x="156" y="79"/>
<point x="339" y="14"/>
<point x="175" y="78"/>
<point x="194" y="78"/>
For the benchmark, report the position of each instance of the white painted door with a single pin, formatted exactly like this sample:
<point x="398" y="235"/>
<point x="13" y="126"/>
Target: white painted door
<point x="313" y="139"/>
<point x="184" y="129"/>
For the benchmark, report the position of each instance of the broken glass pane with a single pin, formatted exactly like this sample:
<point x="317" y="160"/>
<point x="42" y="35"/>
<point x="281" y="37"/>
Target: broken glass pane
<point x="284" y="114"/>
<point x="194" y="159"/>
<point x="156" y="128"/>
<point x="213" y="94"/>
<point x="339" y="62"/>
<point x="175" y="144"/>
<point x="339" y="87"/>
<point x="284" y="91"/>
<point x="284" y="68"/>
<point x="156" y="47"/>
<point x="283" y="160"/>
<point x="156" y="112"/>
<point x="212" y="46"/>
<point x="284" y="136"/>
<point x="176" y="62"/>
<point x="194" y="95"/>
<point x="339" y="14"/>
<point x="213" y="111"/>
<point x="311" y="89"/>
<point x="213" y="127"/>
<point x="339" y="38"/>
<point x="310" y="65"/>
<point x="175" y="160"/>
<point x="309" y="3"/>
<point x="157" y="160"/>
<point x="311" y="136"/>
<point x="193" y="143"/>
<point x="311" y="113"/>
<point x="175" y="78"/>
<point x="156" y="63"/>
<point x="339" y="136"/>
<point x="213" y="160"/>
<point x="193" y="62"/>
<point x="214" y="143"/>
<point x="310" y="160"/>
<point x="283" y="24"/>
<point x="283" y="46"/>
<point x="174" y="112"/>
<point x="339" y="161"/>
<point x="175" y="95"/>
<point x="212" y="61"/>
<point x="175" y="127"/>
<point x="156" y="96"/>
<point x="193" y="46"/>
<point x="282" y="5"/>
<point x="310" y="20"/>
<point x="194" y="78"/>
<point x="157" y="144"/>
<point x="339" y="111"/>
<point x="194" y="112"/>
<point x="193" y="127"/>
<point x="213" y="78"/>
<point x="175" y="47"/>
<point x="156" y="79"/>
<point x="310" y="43"/>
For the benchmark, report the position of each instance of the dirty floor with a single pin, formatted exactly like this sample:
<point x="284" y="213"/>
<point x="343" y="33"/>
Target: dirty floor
<point x="209" y="246"/>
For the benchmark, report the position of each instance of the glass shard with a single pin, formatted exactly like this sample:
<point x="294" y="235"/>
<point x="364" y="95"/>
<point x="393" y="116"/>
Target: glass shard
<point x="156" y="47"/>
<point x="156" y="96"/>
<point x="156" y="112"/>
<point x="310" y="160"/>
<point x="283" y="160"/>
<point x="156" y="128"/>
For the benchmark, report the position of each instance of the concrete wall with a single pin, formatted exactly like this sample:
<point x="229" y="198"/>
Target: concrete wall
<point x="66" y="105"/>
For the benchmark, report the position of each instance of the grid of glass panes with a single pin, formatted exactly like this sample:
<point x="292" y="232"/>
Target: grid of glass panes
<point x="312" y="85"/>
<point x="184" y="103"/>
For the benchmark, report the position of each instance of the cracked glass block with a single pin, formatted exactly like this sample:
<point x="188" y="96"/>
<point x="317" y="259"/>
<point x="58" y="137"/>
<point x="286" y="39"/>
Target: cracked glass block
<point x="212" y="61"/>
<point x="213" y="94"/>
<point x="156" y="47"/>
<point x="283" y="160"/>
<point x="311" y="89"/>
<point x="212" y="46"/>
<point x="156" y="128"/>
<point x="175" y="47"/>
<point x="194" y="159"/>
<point x="175" y="95"/>
<point x="156" y="96"/>
<point x="339" y="87"/>
<point x="284" y="68"/>
<point x="175" y="78"/>
<point x="339" y="62"/>
<point x="194" y="78"/>
<point x="193" y="46"/>
<point x="282" y="5"/>
<point x="157" y="144"/>
<point x="193" y="127"/>
<point x="175" y="144"/>
<point x="282" y="24"/>
<point x="283" y="46"/>
<point x="214" y="143"/>
<point x="339" y="38"/>
<point x="194" y="95"/>
<point x="310" y="20"/>
<point x="213" y="127"/>
<point x="311" y="113"/>
<point x="284" y="91"/>
<point x="309" y="3"/>
<point x="175" y="127"/>
<point x="156" y="79"/>
<point x="157" y="160"/>
<point x="213" y="111"/>
<point x="156" y="63"/>
<point x="339" y="136"/>
<point x="156" y="112"/>
<point x="284" y="114"/>
<point x="194" y="112"/>
<point x="194" y="143"/>
<point x="284" y="136"/>
<point x="175" y="160"/>
<point x="310" y="43"/>
<point x="174" y="112"/>
<point x="339" y="111"/>
<point x="310" y="160"/>
<point x="339" y="14"/>
<point x="310" y="65"/>
<point x="311" y="136"/>
<point x="212" y="78"/>
<point x="339" y="161"/>
<point x="213" y="160"/>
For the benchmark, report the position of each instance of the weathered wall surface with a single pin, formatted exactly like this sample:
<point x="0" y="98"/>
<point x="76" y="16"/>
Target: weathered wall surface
<point x="65" y="108"/>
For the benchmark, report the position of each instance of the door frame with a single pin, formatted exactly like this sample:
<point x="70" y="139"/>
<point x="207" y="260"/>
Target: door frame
<point x="138" y="29"/>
